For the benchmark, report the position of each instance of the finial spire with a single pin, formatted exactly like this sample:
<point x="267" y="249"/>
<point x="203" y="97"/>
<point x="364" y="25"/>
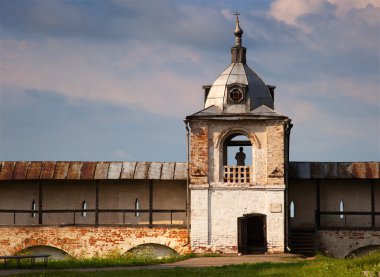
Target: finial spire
<point x="238" y="51"/>
<point x="238" y="31"/>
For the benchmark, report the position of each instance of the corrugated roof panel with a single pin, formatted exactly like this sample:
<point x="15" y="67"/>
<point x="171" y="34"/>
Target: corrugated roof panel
<point x="344" y="170"/>
<point x="20" y="170"/>
<point x="304" y="170"/>
<point x="358" y="170"/>
<point x="293" y="170"/>
<point x="114" y="170"/>
<point x="34" y="171"/>
<point x="331" y="170"/>
<point x="372" y="170"/>
<point x="154" y="172"/>
<point x="74" y="170"/>
<point x="88" y="170"/>
<point x="167" y="171"/>
<point x="180" y="171"/>
<point x="47" y="170"/>
<point x="101" y="170"/>
<point x="141" y="171"/>
<point x="317" y="170"/>
<point x="128" y="170"/>
<point x="61" y="169"/>
<point x="6" y="172"/>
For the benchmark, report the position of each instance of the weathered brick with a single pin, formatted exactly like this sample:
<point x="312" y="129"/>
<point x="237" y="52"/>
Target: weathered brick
<point x="85" y="241"/>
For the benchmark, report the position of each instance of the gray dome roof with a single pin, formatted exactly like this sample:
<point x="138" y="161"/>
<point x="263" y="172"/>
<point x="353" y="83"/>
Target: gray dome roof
<point x="239" y="74"/>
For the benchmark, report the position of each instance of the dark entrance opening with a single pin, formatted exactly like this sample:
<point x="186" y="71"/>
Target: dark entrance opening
<point x="252" y="234"/>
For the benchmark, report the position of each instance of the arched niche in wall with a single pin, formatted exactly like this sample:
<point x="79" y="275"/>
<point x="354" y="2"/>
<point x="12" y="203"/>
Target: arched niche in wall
<point x="152" y="250"/>
<point x="56" y="253"/>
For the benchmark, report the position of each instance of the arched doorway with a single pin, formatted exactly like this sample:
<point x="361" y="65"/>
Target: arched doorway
<point x="252" y="234"/>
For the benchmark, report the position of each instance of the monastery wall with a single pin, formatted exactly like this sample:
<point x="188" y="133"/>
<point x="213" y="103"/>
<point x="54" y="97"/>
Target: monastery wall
<point x="113" y="194"/>
<point x="340" y="243"/>
<point x="87" y="241"/>
<point x="355" y="195"/>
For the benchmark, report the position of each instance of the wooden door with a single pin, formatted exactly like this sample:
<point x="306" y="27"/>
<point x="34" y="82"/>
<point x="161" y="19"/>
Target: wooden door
<point x="242" y="235"/>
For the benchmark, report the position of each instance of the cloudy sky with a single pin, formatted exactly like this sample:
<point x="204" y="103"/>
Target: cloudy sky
<point x="112" y="80"/>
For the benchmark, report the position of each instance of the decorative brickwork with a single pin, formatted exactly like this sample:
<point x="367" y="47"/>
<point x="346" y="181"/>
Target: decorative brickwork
<point x="86" y="242"/>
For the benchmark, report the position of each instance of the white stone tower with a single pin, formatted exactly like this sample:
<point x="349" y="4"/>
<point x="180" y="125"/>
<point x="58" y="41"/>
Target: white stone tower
<point x="238" y="200"/>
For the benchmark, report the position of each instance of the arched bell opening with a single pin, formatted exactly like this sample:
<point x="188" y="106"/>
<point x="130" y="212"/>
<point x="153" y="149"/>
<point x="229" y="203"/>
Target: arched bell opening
<point x="237" y="159"/>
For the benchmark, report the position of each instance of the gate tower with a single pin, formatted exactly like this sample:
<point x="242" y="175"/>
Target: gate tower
<point x="238" y="157"/>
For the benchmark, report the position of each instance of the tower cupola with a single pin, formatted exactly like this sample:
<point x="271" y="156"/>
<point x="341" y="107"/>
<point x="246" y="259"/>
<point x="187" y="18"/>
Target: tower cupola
<point x="238" y="89"/>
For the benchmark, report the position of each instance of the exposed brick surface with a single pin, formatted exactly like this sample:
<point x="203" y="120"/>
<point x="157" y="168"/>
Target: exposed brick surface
<point x="342" y="243"/>
<point x="89" y="241"/>
<point x="199" y="152"/>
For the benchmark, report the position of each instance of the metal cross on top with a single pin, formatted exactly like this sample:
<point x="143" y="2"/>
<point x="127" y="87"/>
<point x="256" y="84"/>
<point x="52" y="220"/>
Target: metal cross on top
<point x="237" y="16"/>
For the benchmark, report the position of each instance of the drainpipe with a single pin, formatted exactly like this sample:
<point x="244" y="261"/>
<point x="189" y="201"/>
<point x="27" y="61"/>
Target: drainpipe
<point x="187" y="179"/>
<point x="288" y="126"/>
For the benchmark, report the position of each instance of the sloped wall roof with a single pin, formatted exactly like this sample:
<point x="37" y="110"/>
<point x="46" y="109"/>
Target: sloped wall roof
<point x="49" y="170"/>
<point x="332" y="170"/>
<point x="92" y="170"/>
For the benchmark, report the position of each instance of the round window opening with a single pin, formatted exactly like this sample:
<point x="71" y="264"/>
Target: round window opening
<point x="236" y="95"/>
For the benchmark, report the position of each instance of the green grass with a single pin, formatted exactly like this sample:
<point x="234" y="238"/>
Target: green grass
<point x="112" y="261"/>
<point x="320" y="266"/>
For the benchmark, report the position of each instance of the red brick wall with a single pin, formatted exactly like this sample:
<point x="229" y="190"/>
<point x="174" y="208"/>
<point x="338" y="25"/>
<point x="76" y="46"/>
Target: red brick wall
<point x="90" y="241"/>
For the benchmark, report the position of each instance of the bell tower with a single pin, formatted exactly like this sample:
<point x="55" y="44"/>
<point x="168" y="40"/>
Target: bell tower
<point x="238" y="158"/>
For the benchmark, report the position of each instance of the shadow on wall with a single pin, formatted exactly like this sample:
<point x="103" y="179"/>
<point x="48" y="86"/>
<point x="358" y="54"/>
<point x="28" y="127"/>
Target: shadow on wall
<point x="362" y="251"/>
<point x="56" y="253"/>
<point x="152" y="250"/>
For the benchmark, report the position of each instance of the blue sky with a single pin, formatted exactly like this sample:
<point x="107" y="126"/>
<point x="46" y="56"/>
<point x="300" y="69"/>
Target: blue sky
<point x="112" y="80"/>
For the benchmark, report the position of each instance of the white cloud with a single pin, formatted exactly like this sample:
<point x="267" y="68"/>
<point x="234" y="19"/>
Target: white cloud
<point x="290" y="11"/>
<point x="123" y="74"/>
<point x="122" y="155"/>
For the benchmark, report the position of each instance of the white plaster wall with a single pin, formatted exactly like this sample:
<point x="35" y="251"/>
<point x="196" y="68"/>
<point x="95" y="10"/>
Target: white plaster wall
<point x="215" y="213"/>
<point x="199" y="218"/>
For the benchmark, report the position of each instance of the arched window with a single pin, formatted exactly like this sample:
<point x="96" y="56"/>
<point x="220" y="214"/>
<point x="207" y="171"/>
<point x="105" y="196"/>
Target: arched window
<point x="84" y="207"/>
<point x="341" y="208"/>
<point x="33" y="208"/>
<point x="137" y="207"/>
<point x="231" y="148"/>
<point x="237" y="159"/>
<point x="292" y="210"/>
